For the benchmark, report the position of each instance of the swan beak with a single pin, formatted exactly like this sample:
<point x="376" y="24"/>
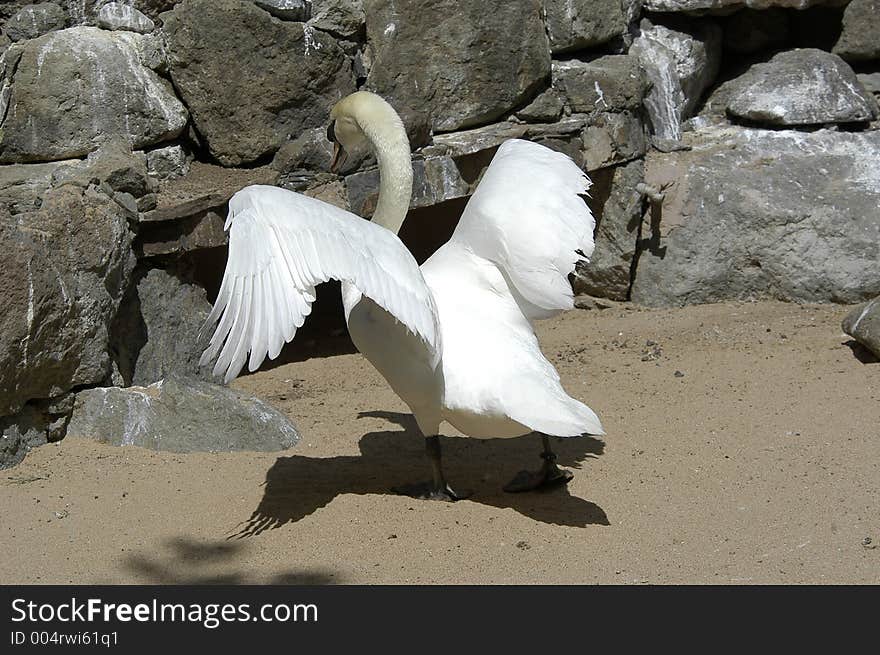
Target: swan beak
<point x="339" y="157"/>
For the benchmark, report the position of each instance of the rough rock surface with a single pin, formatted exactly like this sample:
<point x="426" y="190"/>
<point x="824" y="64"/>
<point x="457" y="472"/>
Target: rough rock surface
<point x="612" y="138"/>
<point x="344" y="18"/>
<point x="294" y="10"/>
<point x="119" y="16"/>
<point x="35" y="20"/>
<point x="468" y="65"/>
<point x="609" y="83"/>
<point x="860" y="37"/>
<point x="801" y="87"/>
<point x="681" y="63"/>
<point x="37" y="423"/>
<point x="181" y="414"/>
<point x="757" y="213"/>
<point x="250" y="80"/>
<point x="71" y="89"/>
<point x="157" y="329"/>
<point x="435" y="180"/>
<point x="66" y="266"/>
<point x="577" y="24"/>
<point x="863" y="325"/>
<point x="617" y="207"/>
<point x="168" y="162"/>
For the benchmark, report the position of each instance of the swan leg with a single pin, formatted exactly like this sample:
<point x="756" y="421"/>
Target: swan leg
<point x="549" y="475"/>
<point x="438" y="488"/>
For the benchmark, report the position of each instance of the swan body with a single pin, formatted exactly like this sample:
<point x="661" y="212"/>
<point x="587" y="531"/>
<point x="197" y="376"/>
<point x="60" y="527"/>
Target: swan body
<point x="453" y="338"/>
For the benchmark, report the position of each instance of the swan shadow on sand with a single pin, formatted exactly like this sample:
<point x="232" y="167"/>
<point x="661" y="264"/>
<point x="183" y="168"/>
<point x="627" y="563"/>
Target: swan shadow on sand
<point x="298" y="485"/>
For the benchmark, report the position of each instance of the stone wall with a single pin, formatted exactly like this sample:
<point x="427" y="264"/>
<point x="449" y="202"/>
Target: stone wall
<point x="733" y="147"/>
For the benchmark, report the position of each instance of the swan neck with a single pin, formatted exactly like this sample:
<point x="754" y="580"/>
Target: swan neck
<point x="395" y="172"/>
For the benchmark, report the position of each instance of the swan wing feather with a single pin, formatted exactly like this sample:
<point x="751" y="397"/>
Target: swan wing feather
<point x="527" y="217"/>
<point x="281" y="245"/>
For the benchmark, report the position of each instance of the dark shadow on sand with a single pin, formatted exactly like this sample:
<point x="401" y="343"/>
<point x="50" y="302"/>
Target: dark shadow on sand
<point x="861" y="353"/>
<point x="185" y="561"/>
<point x="298" y="485"/>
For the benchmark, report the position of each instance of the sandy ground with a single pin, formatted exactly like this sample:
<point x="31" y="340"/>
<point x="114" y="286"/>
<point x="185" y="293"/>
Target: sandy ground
<point x="760" y="464"/>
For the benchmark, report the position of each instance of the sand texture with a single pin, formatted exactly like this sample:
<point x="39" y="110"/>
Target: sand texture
<point x="758" y="463"/>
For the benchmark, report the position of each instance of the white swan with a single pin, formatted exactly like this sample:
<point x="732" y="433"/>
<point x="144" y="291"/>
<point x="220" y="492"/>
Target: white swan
<point x="454" y="338"/>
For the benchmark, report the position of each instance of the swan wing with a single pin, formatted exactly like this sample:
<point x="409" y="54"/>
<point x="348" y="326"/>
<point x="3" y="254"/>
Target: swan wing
<point x="282" y="244"/>
<point x="527" y="217"/>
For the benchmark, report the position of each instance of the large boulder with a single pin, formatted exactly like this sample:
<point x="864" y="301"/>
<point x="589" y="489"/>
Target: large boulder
<point x="156" y="331"/>
<point x="577" y="24"/>
<point x="459" y="61"/>
<point x="67" y="264"/>
<point x="183" y="415"/>
<point x="863" y="325"/>
<point x="801" y="87"/>
<point x="251" y="80"/>
<point x="758" y="213"/>
<point x="617" y="207"/>
<point x="681" y="62"/>
<point x="71" y="89"/>
<point x="35" y="20"/>
<point x="860" y="37"/>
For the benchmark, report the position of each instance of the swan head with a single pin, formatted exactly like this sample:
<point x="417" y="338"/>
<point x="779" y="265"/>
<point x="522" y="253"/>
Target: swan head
<point x="358" y="121"/>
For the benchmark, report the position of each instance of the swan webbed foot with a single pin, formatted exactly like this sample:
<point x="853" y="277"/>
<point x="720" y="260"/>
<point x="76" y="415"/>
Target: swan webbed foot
<point x="548" y="476"/>
<point x="430" y="491"/>
<point x="438" y="488"/>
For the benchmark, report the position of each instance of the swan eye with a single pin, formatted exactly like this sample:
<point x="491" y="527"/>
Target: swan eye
<point x="331" y="133"/>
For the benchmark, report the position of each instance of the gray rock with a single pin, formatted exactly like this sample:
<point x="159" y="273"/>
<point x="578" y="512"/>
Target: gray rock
<point x="467" y="65"/>
<point x="577" y="24"/>
<point x="35" y="20"/>
<point x="863" y="325"/>
<point x="546" y="108"/>
<point x="613" y="138"/>
<point x="435" y="180"/>
<point x="250" y="80"/>
<point x="156" y="331"/>
<point x="22" y="186"/>
<point x="801" y="87"/>
<point x="177" y="229"/>
<point x="113" y="164"/>
<point x="293" y="10"/>
<point x="310" y="151"/>
<point x="617" y="207"/>
<point x="181" y="415"/>
<point x="37" y="423"/>
<point x="344" y="18"/>
<point x="871" y="82"/>
<point x="609" y="83"/>
<point x="71" y="89"/>
<point x="860" y="38"/>
<point x="760" y="213"/>
<point x="469" y="142"/>
<point x="168" y="162"/>
<point x="119" y="16"/>
<point x="747" y="32"/>
<point x="681" y="64"/>
<point x="68" y="263"/>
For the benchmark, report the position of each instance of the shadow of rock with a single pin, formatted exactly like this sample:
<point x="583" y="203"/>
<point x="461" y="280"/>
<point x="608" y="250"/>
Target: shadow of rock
<point x="298" y="485"/>
<point x="861" y="353"/>
<point x="190" y="562"/>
